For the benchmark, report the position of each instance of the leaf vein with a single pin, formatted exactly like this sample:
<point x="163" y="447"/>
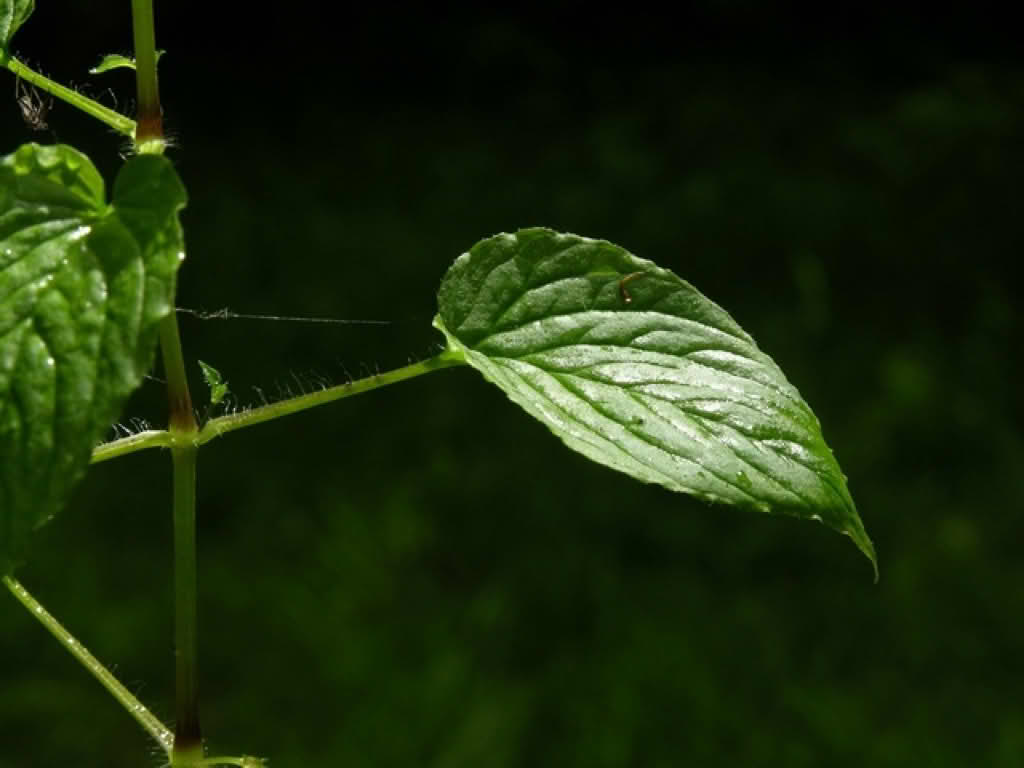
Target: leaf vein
<point x="587" y="429"/>
<point x="647" y="438"/>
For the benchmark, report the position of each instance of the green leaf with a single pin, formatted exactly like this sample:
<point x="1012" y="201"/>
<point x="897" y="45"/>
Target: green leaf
<point x="218" y="387"/>
<point x="117" y="61"/>
<point x="635" y="369"/>
<point x="13" y="13"/>
<point x="83" y="287"/>
<point x="112" y="61"/>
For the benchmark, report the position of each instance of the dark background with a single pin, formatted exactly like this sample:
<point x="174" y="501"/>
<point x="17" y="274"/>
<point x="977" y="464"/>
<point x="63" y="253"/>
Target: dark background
<point x="425" y="576"/>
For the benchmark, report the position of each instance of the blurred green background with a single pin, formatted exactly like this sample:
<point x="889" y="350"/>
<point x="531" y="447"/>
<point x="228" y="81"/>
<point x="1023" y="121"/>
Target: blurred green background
<point x="424" y="576"/>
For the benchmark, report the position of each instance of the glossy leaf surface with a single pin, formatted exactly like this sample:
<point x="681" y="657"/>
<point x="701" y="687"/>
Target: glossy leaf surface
<point x="83" y="287"/>
<point x="634" y="368"/>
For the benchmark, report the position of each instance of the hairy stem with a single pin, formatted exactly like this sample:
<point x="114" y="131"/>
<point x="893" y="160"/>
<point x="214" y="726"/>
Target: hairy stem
<point x="117" y="121"/>
<point x="151" y="438"/>
<point x="224" y="424"/>
<point x="160" y="438"/>
<point x="143" y="716"/>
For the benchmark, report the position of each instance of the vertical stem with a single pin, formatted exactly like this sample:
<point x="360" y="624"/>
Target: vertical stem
<point x="188" y="736"/>
<point x="187" y="733"/>
<point x="179" y="402"/>
<point x="149" y="133"/>
<point x="149" y="137"/>
<point x="143" y="716"/>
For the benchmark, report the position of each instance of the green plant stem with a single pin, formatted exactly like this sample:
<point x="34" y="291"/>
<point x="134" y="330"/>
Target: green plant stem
<point x="182" y="433"/>
<point x="152" y="438"/>
<point x="136" y="709"/>
<point x="160" y="438"/>
<point x="230" y="422"/>
<point x="187" y="732"/>
<point x="117" y="121"/>
<point x="181" y="418"/>
<point x="149" y="136"/>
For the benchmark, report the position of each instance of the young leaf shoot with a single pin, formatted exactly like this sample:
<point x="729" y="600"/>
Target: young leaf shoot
<point x="218" y="387"/>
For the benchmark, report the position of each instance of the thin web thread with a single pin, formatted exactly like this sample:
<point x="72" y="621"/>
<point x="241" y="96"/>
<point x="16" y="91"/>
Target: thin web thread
<point x="227" y="314"/>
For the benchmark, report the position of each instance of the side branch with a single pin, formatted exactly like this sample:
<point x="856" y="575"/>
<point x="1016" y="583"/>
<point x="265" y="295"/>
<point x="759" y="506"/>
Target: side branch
<point x="152" y="438"/>
<point x="117" y="121"/>
<point x="160" y="438"/>
<point x="224" y="424"/>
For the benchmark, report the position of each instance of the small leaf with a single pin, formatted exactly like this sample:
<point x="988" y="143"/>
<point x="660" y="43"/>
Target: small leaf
<point x="635" y="369"/>
<point x="117" y="61"/>
<point x="112" y="61"/>
<point x="218" y="387"/>
<point x="83" y="287"/>
<point x="13" y="13"/>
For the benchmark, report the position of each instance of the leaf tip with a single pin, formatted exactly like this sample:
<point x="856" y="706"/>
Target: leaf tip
<point x="863" y="542"/>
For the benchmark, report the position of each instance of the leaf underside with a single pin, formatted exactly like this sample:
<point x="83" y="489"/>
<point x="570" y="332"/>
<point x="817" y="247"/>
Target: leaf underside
<point x="634" y="368"/>
<point x="84" y="285"/>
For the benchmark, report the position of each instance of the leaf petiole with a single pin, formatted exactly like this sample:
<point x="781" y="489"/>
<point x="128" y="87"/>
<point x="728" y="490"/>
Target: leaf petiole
<point x="160" y="438"/>
<point x="230" y="422"/>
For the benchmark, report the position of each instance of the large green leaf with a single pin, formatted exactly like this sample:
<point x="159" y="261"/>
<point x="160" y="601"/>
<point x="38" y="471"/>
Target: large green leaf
<point x="83" y="287"/>
<point x="635" y="369"/>
<point x="13" y="13"/>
